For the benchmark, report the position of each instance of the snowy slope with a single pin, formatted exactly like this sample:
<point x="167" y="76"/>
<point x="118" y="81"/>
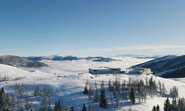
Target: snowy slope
<point x="167" y="66"/>
<point x="13" y="72"/>
<point x="66" y="82"/>
<point x="16" y="75"/>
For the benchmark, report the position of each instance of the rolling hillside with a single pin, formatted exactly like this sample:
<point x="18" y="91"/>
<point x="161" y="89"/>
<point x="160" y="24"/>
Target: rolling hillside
<point x="19" y="61"/>
<point x="168" y="66"/>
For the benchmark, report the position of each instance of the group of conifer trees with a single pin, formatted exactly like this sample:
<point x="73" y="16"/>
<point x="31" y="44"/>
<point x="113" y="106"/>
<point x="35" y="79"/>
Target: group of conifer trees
<point x="109" y="94"/>
<point x="174" y="104"/>
<point x="20" y="101"/>
<point x="95" y="95"/>
<point x="133" y="90"/>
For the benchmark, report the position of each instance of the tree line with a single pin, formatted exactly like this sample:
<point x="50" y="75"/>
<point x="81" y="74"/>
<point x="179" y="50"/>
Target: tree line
<point x="133" y="91"/>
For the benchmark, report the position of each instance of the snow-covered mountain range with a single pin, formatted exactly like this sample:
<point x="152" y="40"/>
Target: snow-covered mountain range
<point x="68" y="58"/>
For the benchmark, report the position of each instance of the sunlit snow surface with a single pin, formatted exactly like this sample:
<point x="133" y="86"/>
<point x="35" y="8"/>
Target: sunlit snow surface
<point x="67" y="80"/>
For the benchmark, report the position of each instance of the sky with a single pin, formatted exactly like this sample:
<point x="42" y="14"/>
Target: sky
<point x="92" y="27"/>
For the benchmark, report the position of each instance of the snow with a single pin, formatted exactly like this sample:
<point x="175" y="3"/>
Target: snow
<point x="67" y="79"/>
<point x="13" y="72"/>
<point x="179" y="79"/>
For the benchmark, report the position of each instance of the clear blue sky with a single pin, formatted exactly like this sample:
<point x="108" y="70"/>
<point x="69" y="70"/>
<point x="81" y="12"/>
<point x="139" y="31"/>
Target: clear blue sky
<point x="44" y="27"/>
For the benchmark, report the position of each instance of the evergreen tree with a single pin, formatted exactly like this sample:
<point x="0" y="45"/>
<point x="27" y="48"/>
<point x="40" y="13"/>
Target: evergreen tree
<point x="117" y="99"/>
<point x="174" y="92"/>
<point x="110" y="85"/>
<point x="85" y="90"/>
<point x="57" y="106"/>
<point x="163" y="89"/>
<point x="167" y="105"/>
<point x="152" y="87"/>
<point x="132" y="95"/>
<point x="4" y="101"/>
<point x="157" y="108"/>
<point x="27" y="105"/>
<point x="71" y="109"/>
<point x="96" y="97"/>
<point x="154" y="108"/>
<point x="181" y="104"/>
<point x="1" y="99"/>
<point x="160" y="87"/>
<point x="44" y="104"/>
<point x="103" y="99"/>
<point x="37" y="91"/>
<point x="123" y="90"/>
<point x="84" y="108"/>
<point x="140" y="90"/>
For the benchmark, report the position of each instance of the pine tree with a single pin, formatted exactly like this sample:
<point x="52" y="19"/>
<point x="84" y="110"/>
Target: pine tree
<point x="57" y="106"/>
<point x="110" y="85"/>
<point x="140" y="89"/>
<point x="71" y="109"/>
<point x="37" y="91"/>
<point x="85" y="90"/>
<point x="163" y="89"/>
<point x="84" y="108"/>
<point x="1" y="99"/>
<point x="5" y="103"/>
<point x="181" y="104"/>
<point x="154" y="108"/>
<point x="157" y="108"/>
<point x="132" y="95"/>
<point x="160" y="87"/>
<point x="167" y="105"/>
<point x="96" y="97"/>
<point x="174" y="92"/>
<point x="27" y="105"/>
<point x="103" y="99"/>
<point x="123" y="90"/>
<point x="44" y="104"/>
<point x="152" y="87"/>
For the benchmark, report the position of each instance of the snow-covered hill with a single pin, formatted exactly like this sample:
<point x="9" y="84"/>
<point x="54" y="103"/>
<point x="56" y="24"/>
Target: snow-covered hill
<point x="19" y="61"/>
<point x="67" y="80"/>
<point x="167" y="66"/>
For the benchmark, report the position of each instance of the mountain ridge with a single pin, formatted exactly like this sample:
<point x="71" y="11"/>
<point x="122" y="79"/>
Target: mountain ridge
<point x="170" y="66"/>
<point x="19" y="61"/>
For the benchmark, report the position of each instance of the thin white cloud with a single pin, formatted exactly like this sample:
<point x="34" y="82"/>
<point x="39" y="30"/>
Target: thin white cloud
<point x="134" y="49"/>
<point x="141" y="47"/>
